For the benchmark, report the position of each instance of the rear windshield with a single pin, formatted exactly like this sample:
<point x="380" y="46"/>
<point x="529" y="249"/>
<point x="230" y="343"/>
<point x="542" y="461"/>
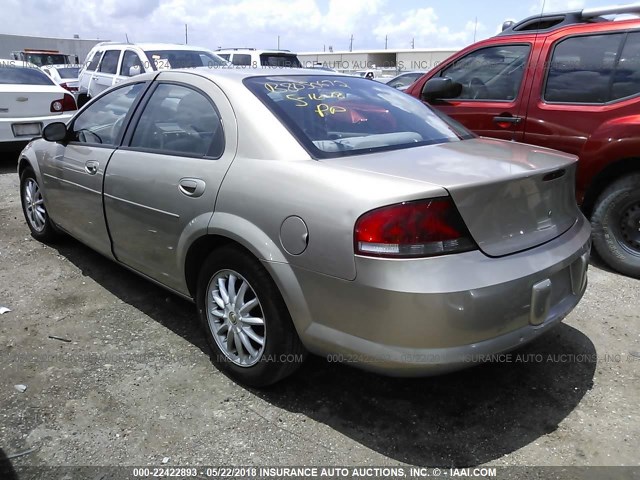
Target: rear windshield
<point x="41" y="59"/>
<point x="164" y="59"/>
<point x="23" y="76"/>
<point x="334" y="116"/>
<point x="279" y="60"/>
<point x="68" y="72"/>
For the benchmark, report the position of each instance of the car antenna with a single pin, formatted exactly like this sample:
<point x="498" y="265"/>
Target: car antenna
<point x="127" y="37"/>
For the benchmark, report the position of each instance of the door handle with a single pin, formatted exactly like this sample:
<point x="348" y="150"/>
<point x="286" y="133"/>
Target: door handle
<point x="507" y="119"/>
<point x="91" y="167"/>
<point x="191" y="187"/>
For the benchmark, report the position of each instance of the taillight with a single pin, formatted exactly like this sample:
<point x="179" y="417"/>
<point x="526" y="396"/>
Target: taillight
<point x="66" y="104"/>
<point x="67" y="87"/>
<point x="421" y="228"/>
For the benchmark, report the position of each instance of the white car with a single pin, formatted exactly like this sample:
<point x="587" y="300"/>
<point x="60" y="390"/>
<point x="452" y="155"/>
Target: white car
<point x="109" y="63"/>
<point x="29" y="101"/>
<point x="65" y="75"/>
<point x="254" y="58"/>
<point x="403" y="80"/>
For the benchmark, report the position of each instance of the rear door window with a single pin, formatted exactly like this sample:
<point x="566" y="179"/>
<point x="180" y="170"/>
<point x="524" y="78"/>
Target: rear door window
<point x="493" y="73"/>
<point x="110" y="61"/>
<point x="241" y="59"/>
<point x="626" y="79"/>
<point x="582" y="70"/>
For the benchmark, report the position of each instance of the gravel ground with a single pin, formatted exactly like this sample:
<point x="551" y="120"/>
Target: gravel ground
<point x="135" y="384"/>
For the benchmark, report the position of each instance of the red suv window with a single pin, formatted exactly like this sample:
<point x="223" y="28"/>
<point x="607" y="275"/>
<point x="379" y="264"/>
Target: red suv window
<point x="493" y="73"/>
<point x="582" y="69"/>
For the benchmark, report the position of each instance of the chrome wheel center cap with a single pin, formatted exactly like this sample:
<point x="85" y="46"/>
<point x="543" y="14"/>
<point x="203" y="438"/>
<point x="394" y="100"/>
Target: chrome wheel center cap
<point x="233" y="317"/>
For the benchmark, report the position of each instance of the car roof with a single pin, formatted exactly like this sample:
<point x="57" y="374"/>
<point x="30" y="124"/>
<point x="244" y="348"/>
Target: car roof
<point x="149" y="46"/>
<point x="256" y="50"/>
<point x="230" y="75"/>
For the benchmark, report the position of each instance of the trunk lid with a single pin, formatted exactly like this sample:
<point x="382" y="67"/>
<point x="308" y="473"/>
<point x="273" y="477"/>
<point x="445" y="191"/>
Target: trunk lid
<point x="511" y="196"/>
<point x="18" y="101"/>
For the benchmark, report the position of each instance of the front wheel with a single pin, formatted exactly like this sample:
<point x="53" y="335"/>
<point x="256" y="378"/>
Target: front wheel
<point x="33" y="207"/>
<point x="616" y="225"/>
<point x="245" y="319"/>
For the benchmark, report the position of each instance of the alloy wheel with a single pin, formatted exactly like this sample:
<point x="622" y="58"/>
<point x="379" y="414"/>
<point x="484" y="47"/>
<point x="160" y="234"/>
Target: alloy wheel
<point x="236" y="318"/>
<point x="34" y="205"/>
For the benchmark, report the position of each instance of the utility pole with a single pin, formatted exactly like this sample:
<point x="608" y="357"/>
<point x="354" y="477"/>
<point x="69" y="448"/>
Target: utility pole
<point x="278" y="42"/>
<point x="351" y="44"/>
<point x="413" y="43"/>
<point x="386" y="38"/>
<point x="186" y="34"/>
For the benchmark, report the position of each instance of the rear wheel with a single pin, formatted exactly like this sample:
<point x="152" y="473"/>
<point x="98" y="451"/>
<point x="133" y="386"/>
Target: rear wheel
<point x="616" y="225"/>
<point x="246" y="321"/>
<point x="33" y="207"/>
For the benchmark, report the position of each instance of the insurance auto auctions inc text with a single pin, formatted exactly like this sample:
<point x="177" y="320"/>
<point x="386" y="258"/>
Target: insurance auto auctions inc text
<point x="373" y="472"/>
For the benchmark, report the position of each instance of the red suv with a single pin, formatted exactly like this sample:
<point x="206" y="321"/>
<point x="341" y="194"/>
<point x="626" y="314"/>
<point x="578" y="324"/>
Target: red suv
<point x="569" y="81"/>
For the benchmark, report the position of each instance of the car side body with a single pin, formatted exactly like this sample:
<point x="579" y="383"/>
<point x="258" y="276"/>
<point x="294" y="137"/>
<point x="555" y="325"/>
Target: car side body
<point x="109" y="63"/>
<point x="29" y="101"/>
<point x="263" y="192"/>
<point x="568" y="81"/>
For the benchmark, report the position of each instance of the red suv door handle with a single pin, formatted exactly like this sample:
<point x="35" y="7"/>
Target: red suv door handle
<point x="507" y="119"/>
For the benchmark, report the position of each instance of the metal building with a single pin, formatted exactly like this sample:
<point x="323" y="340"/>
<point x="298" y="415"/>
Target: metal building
<point x="71" y="46"/>
<point x="384" y="60"/>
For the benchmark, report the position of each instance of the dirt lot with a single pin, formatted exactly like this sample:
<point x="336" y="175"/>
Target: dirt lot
<point x="135" y="384"/>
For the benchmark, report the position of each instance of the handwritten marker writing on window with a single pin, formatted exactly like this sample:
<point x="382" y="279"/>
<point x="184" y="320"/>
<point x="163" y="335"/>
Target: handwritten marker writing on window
<point x="323" y="108"/>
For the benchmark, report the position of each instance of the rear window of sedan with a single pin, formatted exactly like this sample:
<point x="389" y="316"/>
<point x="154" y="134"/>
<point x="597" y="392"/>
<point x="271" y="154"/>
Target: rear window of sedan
<point x="333" y="116"/>
<point x="68" y="72"/>
<point x="23" y="76"/>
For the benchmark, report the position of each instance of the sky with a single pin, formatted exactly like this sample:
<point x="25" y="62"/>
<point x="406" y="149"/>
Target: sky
<point x="301" y="25"/>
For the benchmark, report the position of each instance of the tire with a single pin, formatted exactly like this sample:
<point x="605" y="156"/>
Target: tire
<point x="616" y="225"/>
<point x="281" y="352"/>
<point x="34" y="210"/>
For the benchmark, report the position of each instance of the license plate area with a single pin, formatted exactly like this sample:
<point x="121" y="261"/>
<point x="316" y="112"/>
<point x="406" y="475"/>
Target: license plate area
<point x="26" y="129"/>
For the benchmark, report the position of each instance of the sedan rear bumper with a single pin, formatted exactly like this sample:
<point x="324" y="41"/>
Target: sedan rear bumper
<point x="7" y="130"/>
<point x="429" y="316"/>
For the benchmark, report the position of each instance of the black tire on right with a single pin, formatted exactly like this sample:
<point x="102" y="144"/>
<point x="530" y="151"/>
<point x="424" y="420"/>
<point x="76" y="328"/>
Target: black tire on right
<point x="606" y="218"/>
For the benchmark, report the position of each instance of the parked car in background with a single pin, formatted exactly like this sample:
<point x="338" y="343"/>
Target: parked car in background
<point x="41" y="58"/>
<point x="29" y="101"/>
<point x="64" y="75"/>
<point x="403" y="80"/>
<point x="109" y="63"/>
<point x="317" y="212"/>
<point x="370" y="73"/>
<point x="254" y="58"/>
<point x="569" y="81"/>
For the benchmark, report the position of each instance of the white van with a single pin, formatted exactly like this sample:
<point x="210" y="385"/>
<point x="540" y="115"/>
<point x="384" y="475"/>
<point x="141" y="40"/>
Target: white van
<point x="252" y="58"/>
<point x="109" y="63"/>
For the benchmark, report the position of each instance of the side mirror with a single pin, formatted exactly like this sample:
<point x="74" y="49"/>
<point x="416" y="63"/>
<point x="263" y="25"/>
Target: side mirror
<point x="134" y="70"/>
<point x="440" y="87"/>
<point x="55" y="132"/>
